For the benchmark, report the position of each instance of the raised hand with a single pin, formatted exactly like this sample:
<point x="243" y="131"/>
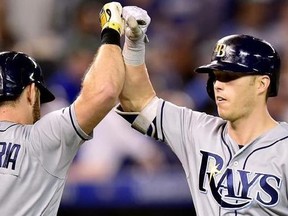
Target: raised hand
<point x="137" y="21"/>
<point x="111" y="17"/>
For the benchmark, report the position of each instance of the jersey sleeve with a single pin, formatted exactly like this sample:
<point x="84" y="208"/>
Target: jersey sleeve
<point x="179" y="127"/>
<point x="55" y="140"/>
<point x="186" y="131"/>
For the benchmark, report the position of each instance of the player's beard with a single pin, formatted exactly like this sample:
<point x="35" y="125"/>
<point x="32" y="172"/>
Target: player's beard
<point x="36" y="108"/>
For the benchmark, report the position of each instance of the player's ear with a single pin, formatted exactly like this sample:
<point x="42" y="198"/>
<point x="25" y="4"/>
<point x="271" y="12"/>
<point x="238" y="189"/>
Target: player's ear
<point x="31" y="93"/>
<point x="263" y="84"/>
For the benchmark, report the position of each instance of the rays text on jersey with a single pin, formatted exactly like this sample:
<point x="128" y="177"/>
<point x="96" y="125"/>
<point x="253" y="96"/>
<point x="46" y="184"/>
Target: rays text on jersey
<point x="235" y="188"/>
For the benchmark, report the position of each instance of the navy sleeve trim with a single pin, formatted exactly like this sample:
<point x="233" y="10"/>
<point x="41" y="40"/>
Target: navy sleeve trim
<point x="161" y="121"/>
<point x="74" y="126"/>
<point x="8" y="127"/>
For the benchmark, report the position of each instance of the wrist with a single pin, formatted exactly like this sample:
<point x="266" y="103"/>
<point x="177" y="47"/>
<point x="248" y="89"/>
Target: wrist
<point x="110" y="36"/>
<point x="134" y="52"/>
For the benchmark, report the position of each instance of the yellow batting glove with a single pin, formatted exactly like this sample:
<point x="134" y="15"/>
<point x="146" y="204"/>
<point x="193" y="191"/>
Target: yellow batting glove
<point x="111" y="17"/>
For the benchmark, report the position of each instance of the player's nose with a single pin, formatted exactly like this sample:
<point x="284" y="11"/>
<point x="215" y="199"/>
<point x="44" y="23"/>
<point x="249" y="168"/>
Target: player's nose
<point x="218" y="85"/>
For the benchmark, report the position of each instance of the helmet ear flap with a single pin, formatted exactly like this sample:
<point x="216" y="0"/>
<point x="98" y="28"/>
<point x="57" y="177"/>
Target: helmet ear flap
<point x="210" y="85"/>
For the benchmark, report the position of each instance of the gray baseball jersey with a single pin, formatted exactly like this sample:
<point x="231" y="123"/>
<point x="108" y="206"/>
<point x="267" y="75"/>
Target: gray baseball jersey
<point x="223" y="179"/>
<point x="34" y="160"/>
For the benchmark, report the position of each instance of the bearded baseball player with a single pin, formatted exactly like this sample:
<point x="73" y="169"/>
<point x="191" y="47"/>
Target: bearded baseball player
<point x="235" y="164"/>
<point x="35" y="154"/>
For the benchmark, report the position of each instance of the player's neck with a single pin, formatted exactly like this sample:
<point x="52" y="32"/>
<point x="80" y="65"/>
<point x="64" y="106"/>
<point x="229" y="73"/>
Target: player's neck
<point x="245" y="130"/>
<point x="17" y="113"/>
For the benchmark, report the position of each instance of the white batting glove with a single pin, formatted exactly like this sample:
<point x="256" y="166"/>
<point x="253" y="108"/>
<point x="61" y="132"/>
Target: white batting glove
<point x="137" y="21"/>
<point x="110" y="17"/>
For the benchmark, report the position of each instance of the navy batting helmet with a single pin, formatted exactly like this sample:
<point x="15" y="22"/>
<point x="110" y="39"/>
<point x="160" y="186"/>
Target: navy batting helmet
<point x="245" y="54"/>
<point x="17" y="70"/>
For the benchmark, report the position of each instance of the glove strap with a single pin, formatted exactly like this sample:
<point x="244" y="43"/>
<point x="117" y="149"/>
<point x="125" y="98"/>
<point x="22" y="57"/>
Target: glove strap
<point x="110" y="36"/>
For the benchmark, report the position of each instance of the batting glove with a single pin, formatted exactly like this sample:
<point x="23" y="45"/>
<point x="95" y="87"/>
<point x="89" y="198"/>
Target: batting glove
<point x="137" y="21"/>
<point x="110" y="17"/>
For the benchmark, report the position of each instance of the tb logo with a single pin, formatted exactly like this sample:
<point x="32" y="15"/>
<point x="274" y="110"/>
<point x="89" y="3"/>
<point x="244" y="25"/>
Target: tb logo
<point x="220" y="50"/>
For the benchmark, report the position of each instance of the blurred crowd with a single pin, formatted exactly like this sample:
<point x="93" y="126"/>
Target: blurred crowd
<point x="63" y="36"/>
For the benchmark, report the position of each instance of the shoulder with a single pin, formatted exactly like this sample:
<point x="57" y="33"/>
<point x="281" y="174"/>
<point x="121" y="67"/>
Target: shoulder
<point x="284" y="125"/>
<point x="190" y="115"/>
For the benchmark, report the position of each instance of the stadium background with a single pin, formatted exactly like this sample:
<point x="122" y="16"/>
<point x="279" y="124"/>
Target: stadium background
<point x="116" y="173"/>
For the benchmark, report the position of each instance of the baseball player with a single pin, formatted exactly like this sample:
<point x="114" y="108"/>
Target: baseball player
<point x="35" y="154"/>
<point x="235" y="164"/>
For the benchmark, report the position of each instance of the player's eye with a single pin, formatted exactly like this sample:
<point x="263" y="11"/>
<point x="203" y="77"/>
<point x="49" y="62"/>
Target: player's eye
<point x="227" y="76"/>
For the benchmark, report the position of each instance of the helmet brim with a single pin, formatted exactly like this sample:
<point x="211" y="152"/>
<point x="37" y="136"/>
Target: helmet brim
<point x="45" y="95"/>
<point x="224" y="66"/>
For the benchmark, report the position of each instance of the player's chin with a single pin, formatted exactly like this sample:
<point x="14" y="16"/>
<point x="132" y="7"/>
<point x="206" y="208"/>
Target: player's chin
<point x="223" y="114"/>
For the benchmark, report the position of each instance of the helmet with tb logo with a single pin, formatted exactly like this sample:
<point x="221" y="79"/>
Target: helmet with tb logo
<point x="244" y="54"/>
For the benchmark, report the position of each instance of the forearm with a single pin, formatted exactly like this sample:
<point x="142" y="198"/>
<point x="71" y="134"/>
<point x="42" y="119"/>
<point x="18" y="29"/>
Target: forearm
<point x="138" y="90"/>
<point x="101" y="87"/>
<point x="138" y="98"/>
<point x="105" y="78"/>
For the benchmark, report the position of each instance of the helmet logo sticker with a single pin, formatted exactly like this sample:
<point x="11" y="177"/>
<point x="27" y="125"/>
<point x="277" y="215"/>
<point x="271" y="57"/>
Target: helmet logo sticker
<point x="220" y="50"/>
